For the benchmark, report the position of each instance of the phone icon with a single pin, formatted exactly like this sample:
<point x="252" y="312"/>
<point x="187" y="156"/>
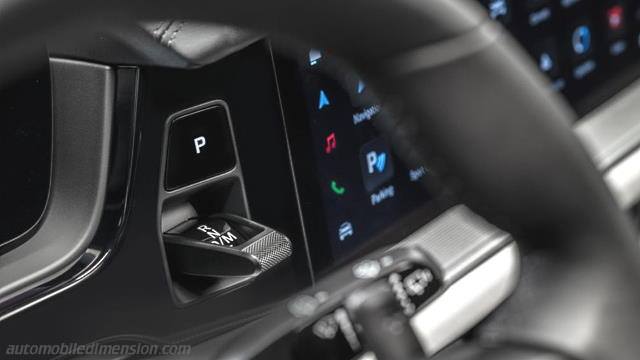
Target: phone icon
<point x="339" y="190"/>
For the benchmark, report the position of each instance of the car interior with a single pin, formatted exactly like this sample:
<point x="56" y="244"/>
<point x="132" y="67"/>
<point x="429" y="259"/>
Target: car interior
<point x="357" y="180"/>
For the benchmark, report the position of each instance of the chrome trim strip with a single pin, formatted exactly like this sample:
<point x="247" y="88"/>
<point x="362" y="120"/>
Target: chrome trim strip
<point x="467" y="301"/>
<point x="458" y="240"/>
<point x="611" y="134"/>
<point x="480" y="266"/>
<point x="613" y="129"/>
<point x="624" y="180"/>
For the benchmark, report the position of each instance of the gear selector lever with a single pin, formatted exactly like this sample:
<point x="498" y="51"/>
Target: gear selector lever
<point x="224" y="246"/>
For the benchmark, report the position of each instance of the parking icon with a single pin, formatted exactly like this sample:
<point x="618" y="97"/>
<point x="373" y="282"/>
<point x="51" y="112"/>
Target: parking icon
<point x="376" y="164"/>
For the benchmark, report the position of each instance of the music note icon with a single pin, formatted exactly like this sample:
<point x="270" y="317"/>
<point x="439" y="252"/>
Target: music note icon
<point x="330" y="143"/>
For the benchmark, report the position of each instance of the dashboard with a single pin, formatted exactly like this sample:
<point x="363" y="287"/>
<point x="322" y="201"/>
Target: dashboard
<point x="353" y="187"/>
<point x="588" y="50"/>
<point x="298" y="151"/>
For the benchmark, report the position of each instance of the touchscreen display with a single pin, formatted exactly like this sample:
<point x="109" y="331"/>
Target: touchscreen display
<point x="361" y="186"/>
<point x="580" y="45"/>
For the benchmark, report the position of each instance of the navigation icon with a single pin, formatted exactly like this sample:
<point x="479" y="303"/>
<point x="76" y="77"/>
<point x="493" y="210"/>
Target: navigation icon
<point x="323" y="100"/>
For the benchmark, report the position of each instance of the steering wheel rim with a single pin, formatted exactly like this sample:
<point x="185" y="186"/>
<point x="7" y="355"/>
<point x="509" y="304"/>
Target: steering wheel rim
<point x="508" y="146"/>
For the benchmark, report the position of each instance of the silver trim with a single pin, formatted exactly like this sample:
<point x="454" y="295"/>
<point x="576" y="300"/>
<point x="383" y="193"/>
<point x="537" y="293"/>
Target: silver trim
<point x="613" y="129"/>
<point x="624" y="180"/>
<point x="611" y="134"/>
<point x="480" y="266"/>
<point x="467" y="301"/>
<point x="458" y="240"/>
<point x="269" y="250"/>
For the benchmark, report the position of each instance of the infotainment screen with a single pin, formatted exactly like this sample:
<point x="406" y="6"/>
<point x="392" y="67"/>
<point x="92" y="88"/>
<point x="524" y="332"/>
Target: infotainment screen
<point x="353" y="187"/>
<point x="589" y="49"/>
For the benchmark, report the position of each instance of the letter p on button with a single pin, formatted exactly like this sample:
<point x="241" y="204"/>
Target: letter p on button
<point x="199" y="142"/>
<point x="199" y="145"/>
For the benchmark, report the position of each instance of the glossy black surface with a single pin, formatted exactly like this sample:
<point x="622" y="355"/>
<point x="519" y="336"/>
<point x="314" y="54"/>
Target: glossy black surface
<point x="132" y="287"/>
<point x="25" y="150"/>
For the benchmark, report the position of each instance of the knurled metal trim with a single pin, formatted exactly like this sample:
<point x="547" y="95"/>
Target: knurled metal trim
<point x="270" y="250"/>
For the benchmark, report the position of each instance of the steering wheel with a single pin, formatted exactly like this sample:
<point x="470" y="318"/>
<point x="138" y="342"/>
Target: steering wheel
<point x="465" y="96"/>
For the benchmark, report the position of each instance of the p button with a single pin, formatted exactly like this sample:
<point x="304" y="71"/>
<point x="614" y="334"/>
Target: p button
<point x="200" y="146"/>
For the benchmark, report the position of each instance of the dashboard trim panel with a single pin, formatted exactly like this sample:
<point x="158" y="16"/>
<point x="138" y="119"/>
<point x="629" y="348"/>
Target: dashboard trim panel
<point x="468" y="300"/>
<point x="55" y="248"/>
<point x="624" y="180"/>
<point x="611" y="134"/>
<point x="612" y="130"/>
<point x="457" y="241"/>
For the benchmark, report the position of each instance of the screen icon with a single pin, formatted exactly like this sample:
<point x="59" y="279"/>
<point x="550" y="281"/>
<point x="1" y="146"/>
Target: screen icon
<point x="337" y="189"/>
<point x="345" y="230"/>
<point x="376" y="161"/>
<point x="569" y="3"/>
<point x="615" y="18"/>
<point x="330" y="143"/>
<point x="546" y="55"/>
<point x="376" y="164"/>
<point x="498" y="9"/>
<point x="314" y="57"/>
<point x="323" y="100"/>
<point x="540" y="16"/>
<point x="545" y="62"/>
<point x="581" y="40"/>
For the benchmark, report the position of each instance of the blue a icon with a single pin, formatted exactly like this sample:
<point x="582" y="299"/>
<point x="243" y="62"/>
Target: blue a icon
<point x="323" y="101"/>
